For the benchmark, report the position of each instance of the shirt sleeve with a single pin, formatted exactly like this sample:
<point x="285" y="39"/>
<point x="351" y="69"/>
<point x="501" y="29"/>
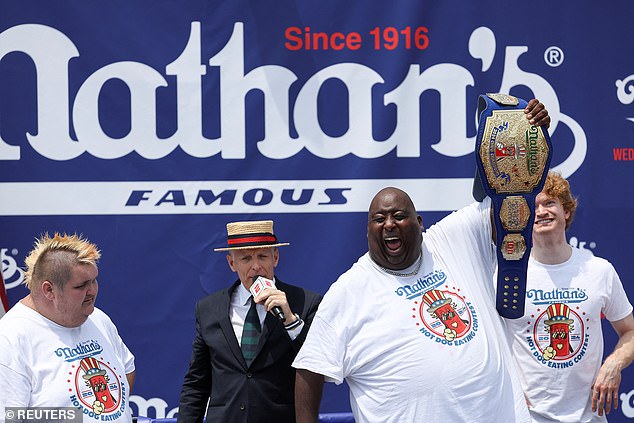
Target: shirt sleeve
<point x="125" y="355"/>
<point x="294" y="333"/>
<point x="618" y="306"/>
<point x="322" y="351"/>
<point x="467" y="231"/>
<point x="15" y="387"/>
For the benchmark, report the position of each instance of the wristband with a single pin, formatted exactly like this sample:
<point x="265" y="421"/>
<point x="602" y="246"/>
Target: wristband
<point x="296" y="323"/>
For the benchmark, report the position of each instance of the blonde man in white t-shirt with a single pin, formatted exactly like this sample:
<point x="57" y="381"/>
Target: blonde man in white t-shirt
<point x="56" y="348"/>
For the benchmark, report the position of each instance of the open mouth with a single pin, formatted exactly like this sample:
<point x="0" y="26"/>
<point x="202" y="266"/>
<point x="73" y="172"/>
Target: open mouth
<point x="393" y="243"/>
<point x="544" y="221"/>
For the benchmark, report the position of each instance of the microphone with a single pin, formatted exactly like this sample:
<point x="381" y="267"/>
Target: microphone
<point x="260" y="283"/>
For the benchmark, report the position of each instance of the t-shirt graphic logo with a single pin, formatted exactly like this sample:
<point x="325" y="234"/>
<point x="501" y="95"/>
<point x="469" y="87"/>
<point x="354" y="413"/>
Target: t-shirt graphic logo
<point x="448" y="318"/>
<point x="559" y="326"/>
<point x="558" y="333"/>
<point x="97" y="386"/>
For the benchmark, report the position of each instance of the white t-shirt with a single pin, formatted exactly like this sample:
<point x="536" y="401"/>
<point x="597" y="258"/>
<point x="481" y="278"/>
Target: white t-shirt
<point x="382" y="334"/>
<point x="558" y="343"/>
<point x="45" y="364"/>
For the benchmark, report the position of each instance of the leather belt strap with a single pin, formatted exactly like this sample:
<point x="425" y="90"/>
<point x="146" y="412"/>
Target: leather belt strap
<point x="513" y="158"/>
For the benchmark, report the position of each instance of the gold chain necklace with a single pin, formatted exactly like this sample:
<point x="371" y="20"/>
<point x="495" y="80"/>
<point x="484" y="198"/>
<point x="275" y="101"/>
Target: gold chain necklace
<point x="419" y="262"/>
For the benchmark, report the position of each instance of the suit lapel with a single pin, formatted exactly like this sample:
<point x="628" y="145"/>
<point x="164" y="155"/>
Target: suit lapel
<point x="227" y="328"/>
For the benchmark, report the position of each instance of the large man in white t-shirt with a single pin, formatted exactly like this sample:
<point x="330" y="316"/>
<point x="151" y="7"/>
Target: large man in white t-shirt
<point x="558" y="343"/>
<point x="56" y="348"/>
<point x="412" y="326"/>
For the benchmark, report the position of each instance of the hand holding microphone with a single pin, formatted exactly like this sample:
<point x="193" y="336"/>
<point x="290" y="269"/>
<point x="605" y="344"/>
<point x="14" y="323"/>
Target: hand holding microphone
<point x="260" y="283"/>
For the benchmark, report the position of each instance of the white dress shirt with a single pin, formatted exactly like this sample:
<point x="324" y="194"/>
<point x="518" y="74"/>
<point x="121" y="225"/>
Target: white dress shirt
<point x="239" y="307"/>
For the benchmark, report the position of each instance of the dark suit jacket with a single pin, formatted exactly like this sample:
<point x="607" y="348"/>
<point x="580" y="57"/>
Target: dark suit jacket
<point x="262" y="392"/>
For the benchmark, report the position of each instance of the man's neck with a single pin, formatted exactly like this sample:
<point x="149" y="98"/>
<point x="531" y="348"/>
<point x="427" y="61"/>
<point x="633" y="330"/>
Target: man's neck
<point x="39" y="305"/>
<point x="28" y="301"/>
<point x="551" y="249"/>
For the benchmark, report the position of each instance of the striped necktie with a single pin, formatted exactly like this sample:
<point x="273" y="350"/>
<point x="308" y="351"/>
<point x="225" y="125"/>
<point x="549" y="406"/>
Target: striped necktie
<point x="250" y="333"/>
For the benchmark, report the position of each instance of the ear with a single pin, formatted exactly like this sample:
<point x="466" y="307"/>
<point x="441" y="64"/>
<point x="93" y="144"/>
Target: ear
<point x="47" y="290"/>
<point x="230" y="261"/>
<point x="276" y="257"/>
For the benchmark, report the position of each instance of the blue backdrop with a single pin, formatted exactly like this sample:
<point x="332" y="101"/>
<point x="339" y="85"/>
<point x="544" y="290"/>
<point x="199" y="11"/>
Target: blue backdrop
<point x="147" y="125"/>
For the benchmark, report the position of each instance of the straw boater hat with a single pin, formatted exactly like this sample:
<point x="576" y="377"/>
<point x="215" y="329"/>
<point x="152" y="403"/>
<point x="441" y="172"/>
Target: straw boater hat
<point x="252" y="234"/>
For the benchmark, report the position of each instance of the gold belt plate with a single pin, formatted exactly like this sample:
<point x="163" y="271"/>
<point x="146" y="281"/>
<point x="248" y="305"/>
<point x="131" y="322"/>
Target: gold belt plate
<point x="513" y="247"/>
<point x="513" y="152"/>
<point x="514" y="213"/>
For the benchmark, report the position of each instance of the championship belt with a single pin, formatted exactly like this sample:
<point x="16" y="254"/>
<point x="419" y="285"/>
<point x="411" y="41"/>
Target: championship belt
<point x="513" y="158"/>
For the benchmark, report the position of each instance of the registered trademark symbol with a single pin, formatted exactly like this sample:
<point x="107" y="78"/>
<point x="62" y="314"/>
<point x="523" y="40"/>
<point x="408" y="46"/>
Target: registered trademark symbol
<point x="554" y="56"/>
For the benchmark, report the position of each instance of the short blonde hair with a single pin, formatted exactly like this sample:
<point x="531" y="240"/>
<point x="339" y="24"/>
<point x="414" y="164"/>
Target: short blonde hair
<point x="53" y="257"/>
<point x="557" y="186"/>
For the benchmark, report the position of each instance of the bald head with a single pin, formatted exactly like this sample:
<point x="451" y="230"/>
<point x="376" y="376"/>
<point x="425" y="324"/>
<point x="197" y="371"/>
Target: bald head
<point x="394" y="229"/>
<point x="393" y="194"/>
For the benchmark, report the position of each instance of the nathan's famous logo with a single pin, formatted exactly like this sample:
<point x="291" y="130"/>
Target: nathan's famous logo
<point x="98" y="389"/>
<point x="446" y="317"/>
<point x="62" y="113"/>
<point x="532" y="139"/>
<point x="559" y="339"/>
<point x="431" y="280"/>
<point x="567" y="295"/>
<point x="81" y="350"/>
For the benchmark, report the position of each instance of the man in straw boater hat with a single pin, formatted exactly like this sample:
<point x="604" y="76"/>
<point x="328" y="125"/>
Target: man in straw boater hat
<point x="240" y="368"/>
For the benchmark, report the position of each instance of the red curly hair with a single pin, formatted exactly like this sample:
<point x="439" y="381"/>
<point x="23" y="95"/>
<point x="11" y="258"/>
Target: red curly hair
<point x="558" y="187"/>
